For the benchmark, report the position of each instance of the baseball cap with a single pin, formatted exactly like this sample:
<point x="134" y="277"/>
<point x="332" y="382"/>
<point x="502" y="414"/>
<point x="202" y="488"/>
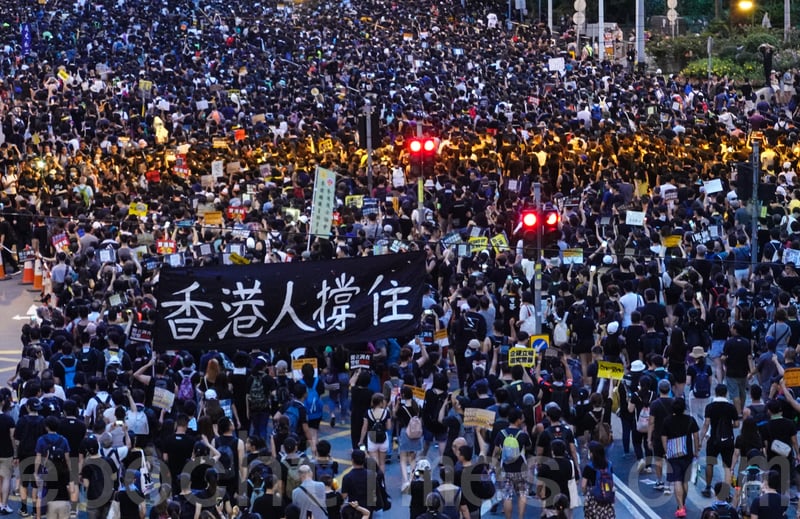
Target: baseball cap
<point x="613" y="327"/>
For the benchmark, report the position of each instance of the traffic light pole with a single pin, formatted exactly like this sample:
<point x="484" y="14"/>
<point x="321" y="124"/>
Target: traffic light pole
<point x="368" y="116"/>
<point x="754" y="209"/>
<point x="537" y="280"/>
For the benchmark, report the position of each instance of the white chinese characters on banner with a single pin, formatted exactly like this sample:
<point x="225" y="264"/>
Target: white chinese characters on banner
<point x="187" y="321"/>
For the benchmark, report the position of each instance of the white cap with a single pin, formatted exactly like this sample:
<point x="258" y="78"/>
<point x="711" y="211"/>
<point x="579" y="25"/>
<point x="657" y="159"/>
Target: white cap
<point x="613" y="327"/>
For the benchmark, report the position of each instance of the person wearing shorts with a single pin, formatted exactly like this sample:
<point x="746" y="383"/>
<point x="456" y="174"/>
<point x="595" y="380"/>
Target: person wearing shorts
<point x="722" y="419"/>
<point x="377" y="443"/>
<point x="737" y="358"/>
<point x="680" y="441"/>
<point x="515" y="471"/>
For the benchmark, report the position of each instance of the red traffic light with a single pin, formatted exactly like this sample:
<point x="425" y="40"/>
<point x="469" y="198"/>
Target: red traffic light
<point x="551" y="219"/>
<point x="426" y="145"/>
<point x="529" y="219"/>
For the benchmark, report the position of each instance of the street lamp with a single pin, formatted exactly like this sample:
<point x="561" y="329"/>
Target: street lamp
<point x="745" y="5"/>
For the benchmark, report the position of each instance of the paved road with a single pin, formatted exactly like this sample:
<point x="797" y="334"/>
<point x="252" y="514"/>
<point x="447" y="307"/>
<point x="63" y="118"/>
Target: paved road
<point x="635" y="497"/>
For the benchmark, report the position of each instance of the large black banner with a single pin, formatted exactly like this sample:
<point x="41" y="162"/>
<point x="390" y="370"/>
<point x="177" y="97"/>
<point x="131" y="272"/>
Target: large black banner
<point x="307" y="304"/>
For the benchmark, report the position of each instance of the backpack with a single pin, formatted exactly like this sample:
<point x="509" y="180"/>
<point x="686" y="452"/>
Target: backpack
<point x="643" y="422"/>
<point x="186" y="388"/>
<point x="759" y="414"/>
<point x="313" y="403"/>
<point x="377" y="430"/>
<point x="414" y="429"/>
<point x="293" y="413"/>
<point x="561" y="332"/>
<point x="101" y="407"/>
<point x="602" y="430"/>
<point x="257" y="396"/>
<point x="724" y="511"/>
<point x="293" y="474"/>
<point x="603" y="490"/>
<point x="85" y="361"/>
<point x="452" y="508"/>
<point x="226" y="459"/>
<point x="112" y="362"/>
<point x="701" y="383"/>
<point x="282" y="393"/>
<point x="324" y="468"/>
<point x="511" y="449"/>
<point x="69" y="371"/>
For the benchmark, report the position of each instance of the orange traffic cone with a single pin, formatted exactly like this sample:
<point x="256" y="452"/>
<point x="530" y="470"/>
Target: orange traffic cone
<point x="3" y="276"/>
<point x="37" y="275"/>
<point x="27" y="273"/>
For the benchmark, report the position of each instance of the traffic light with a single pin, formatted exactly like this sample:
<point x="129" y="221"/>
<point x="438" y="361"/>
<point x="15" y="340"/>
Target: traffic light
<point x="528" y="224"/>
<point x="422" y="151"/>
<point x="551" y="232"/>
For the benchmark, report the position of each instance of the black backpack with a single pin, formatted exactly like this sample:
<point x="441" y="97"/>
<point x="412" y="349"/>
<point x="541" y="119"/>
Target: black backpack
<point x="377" y="429"/>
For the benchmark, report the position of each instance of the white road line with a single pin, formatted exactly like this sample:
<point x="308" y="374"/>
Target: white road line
<point x="632" y="510"/>
<point x="626" y="491"/>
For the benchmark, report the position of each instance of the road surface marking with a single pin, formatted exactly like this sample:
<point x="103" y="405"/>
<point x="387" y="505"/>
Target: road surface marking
<point x="626" y="491"/>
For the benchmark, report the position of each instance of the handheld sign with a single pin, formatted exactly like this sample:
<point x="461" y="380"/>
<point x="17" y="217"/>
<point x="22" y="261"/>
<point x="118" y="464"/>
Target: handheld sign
<point x="522" y="357"/>
<point x="360" y="360"/>
<point x="612" y="370"/>
<point x="474" y="417"/>
<point x="792" y="377"/>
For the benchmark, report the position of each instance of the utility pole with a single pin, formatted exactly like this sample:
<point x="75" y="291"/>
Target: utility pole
<point x="754" y="210"/>
<point x="368" y="117"/>
<point x="537" y="279"/>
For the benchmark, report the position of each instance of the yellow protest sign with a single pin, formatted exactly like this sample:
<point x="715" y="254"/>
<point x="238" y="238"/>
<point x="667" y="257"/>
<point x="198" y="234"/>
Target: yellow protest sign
<point x="137" y="209"/>
<point x="162" y="398"/>
<point x="522" y="357"/>
<point x="500" y="243"/>
<point x="672" y="241"/>
<point x="297" y="364"/>
<point x="418" y="392"/>
<point x="612" y="370"/>
<point x="474" y="417"/>
<point x="354" y="201"/>
<point x="478" y="243"/>
<point x="792" y="377"/>
<point x="325" y="145"/>
<point x="213" y="217"/>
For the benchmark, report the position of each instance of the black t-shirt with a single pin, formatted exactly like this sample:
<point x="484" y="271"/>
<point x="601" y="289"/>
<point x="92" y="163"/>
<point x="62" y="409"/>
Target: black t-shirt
<point x="559" y="431"/>
<point x="721" y="414"/>
<point x="74" y="430"/>
<point x="95" y="471"/>
<point x="779" y="428"/>
<point x="676" y="426"/>
<point x="554" y="474"/>
<point x="357" y="483"/>
<point x="660" y="409"/>
<point x="269" y="505"/>
<point x="769" y="505"/>
<point x="471" y="476"/>
<point x="27" y="432"/>
<point x="6" y="426"/>
<point x="736" y="351"/>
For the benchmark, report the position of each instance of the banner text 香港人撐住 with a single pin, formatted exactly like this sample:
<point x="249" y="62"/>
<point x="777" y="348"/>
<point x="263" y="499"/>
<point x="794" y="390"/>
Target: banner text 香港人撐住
<point x="306" y="303"/>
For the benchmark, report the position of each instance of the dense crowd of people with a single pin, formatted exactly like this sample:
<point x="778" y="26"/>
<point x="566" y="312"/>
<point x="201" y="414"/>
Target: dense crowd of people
<point x="132" y="134"/>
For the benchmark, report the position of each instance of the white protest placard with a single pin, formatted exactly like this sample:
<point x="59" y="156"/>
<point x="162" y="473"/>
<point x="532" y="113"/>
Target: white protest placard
<point x="163" y="399"/>
<point x="217" y="168"/>
<point x="163" y="105"/>
<point x="556" y="65"/>
<point x="791" y="256"/>
<point x="634" y="217"/>
<point x="713" y="186"/>
<point x="511" y="184"/>
<point x="202" y="105"/>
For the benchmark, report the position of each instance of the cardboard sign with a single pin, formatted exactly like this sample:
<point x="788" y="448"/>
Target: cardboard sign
<point x="60" y="242"/>
<point x="451" y="238"/>
<point x="556" y="65"/>
<point x="360" y="360"/>
<point x="713" y="186"/>
<point x="670" y="194"/>
<point x="354" y="201"/>
<point x="474" y="417"/>
<point x="672" y="241"/>
<point x="239" y="135"/>
<point x="217" y="168"/>
<point x="219" y="143"/>
<point x="213" y="218"/>
<point x="236" y="213"/>
<point x="163" y="399"/>
<point x="418" y="392"/>
<point x="500" y="243"/>
<point x="792" y="377"/>
<point x="634" y="217"/>
<point x="612" y="370"/>
<point x="478" y="243"/>
<point x="137" y="209"/>
<point x="232" y="167"/>
<point x="202" y="105"/>
<point x="166" y="246"/>
<point x="572" y="257"/>
<point x="522" y="357"/>
<point x="26" y="255"/>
